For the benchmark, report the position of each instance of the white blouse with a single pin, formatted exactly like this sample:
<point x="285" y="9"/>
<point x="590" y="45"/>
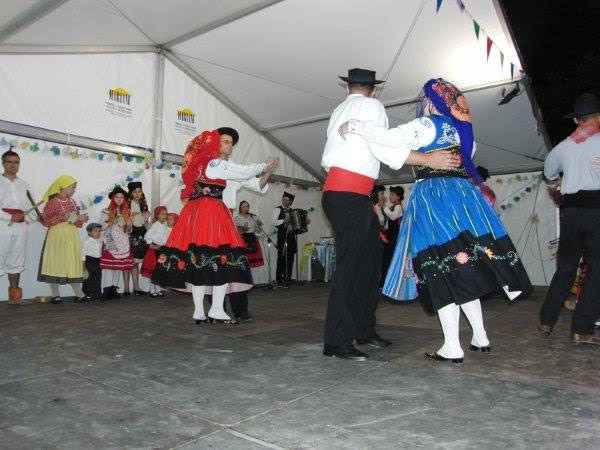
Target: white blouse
<point x="157" y="234"/>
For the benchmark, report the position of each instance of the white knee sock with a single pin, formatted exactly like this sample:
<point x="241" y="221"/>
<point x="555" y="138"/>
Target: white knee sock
<point x="115" y="277"/>
<point x="218" y="298"/>
<point x="449" y="317"/>
<point x="198" y="296"/>
<point x="54" y="289"/>
<point x="473" y="312"/>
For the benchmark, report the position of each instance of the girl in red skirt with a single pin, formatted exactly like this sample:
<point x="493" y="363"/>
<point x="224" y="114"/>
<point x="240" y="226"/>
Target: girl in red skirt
<point x="116" y="252"/>
<point x="205" y="253"/>
<point x="155" y="237"/>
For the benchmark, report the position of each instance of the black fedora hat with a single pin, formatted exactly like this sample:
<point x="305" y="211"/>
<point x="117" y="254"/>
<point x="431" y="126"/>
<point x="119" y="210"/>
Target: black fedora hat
<point x="230" y="132"/>
<point x="586" y="104"/>
<point x="118" y="190"/>
<point x="361" y="76"/>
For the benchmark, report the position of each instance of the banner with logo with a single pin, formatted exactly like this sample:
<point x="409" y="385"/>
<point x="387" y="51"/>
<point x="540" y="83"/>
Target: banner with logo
<point x="108" y="97"/>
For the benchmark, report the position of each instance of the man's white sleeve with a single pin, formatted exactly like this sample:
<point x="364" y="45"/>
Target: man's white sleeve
<point x="276" y="221"/>
<point x="227" y="170"/>
<point x="254" y="185"/>
<point x="392" y="146"/>
<point x="552" y="165"/>
<point x="395" y="214"/>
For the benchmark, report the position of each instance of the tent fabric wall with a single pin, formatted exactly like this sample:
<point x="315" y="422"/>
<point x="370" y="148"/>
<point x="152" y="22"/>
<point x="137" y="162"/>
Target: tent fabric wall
<point x="71" y="94"/>
<point x="202" y="111"/>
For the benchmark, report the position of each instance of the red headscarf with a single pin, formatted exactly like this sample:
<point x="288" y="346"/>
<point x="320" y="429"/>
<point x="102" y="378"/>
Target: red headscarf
<point x="158" y="210"/>
<point x="124" y="209"/>
<point x="175" y="217"/>
<point x="202" y="149"/>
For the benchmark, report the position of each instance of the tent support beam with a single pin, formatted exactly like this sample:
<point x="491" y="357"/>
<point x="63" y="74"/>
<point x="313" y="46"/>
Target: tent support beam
<point x="29" y="18"/>
<point x="158" y="118"/>
<point x="221" y="22"/>
<point x="240" y="113"/>
<point x="58" y="137"/>
<point x="389" y="104"/>
<point x="24" y="49"/>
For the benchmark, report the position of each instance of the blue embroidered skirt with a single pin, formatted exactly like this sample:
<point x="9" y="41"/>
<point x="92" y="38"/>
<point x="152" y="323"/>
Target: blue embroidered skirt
<point x="452" y="247"/>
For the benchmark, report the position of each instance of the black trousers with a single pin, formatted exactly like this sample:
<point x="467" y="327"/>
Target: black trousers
<point x="285" y="263"/>
<point x="92" y="286"/>
<point x="239" y="304"/>
<point x="579" y="235"/>
<point x="358" y="251"/>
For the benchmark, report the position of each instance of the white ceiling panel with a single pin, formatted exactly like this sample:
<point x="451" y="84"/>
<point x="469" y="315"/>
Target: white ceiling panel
<point x="266" y="102"/>
<point x="308" y="43"/>
<point x="81" y="22"/>
<point x="164" y="20"/>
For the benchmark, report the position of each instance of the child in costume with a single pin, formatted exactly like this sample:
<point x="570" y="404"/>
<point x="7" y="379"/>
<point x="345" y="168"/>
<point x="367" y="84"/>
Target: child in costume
<point x="155" y="238"/>
<point x="140" y="222"/>
<point x="60" y="262"/>
<point x="90" y="254"/>
<point x="116" y="253"/>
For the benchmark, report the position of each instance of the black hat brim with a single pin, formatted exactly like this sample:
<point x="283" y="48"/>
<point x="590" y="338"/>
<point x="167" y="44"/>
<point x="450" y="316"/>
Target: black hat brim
<point x="353" y="80"/>
<point x="118" y="190"/>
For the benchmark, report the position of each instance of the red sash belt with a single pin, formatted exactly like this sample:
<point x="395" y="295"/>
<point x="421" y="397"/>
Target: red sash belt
<point x="12" y="211"/>
<point x="342" y="180"/>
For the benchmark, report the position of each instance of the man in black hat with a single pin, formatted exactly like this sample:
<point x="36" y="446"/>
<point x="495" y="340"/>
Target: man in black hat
<point x="578" y="158"/>
<point x="286" y="239"/>
<point x="353" y="166"/>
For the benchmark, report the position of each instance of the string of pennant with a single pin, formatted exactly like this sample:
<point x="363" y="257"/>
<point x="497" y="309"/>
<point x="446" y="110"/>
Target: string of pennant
<point x="141" y="163"/>
<point x="480" y="32"/>
<point x="532" y="183"/>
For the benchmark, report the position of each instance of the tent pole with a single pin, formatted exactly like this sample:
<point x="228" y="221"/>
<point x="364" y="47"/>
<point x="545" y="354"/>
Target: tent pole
<point x="158" y="117"/>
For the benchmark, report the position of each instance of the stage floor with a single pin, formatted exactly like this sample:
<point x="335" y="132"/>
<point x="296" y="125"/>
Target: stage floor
<point x="140" y="373"/>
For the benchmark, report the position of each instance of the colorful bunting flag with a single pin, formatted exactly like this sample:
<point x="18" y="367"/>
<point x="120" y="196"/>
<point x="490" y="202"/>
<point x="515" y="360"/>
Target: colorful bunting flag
<point x="477" y="28"/>
<point x="438" y="5"/>
<point x="512" y="70"/>
<point x="488" y="47"/>
<point x="501" y="59"/>
<point x="461" y="5"/>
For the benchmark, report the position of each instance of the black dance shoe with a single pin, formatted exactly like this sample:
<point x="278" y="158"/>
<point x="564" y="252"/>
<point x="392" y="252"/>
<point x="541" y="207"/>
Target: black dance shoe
<point x="374" y="341"/>
<point x="436" y="357"/>
<point x="348" y="353"/>
<point x="486" y="349"/>
<point x="126" y="294"/>
<point x="201" y="321"/>
<point x="80" y="299"/>
<point x="139" y="293"/>
<point x="56" y="300"/>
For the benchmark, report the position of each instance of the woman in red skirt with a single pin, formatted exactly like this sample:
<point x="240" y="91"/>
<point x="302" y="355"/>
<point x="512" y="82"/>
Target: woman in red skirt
<point x="205" y="252"/>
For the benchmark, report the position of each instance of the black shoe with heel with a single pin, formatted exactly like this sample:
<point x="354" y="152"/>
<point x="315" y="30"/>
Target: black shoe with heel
<point x="486" y="349"/>
<point x="434" y="356"/>
<point x="56" y="300"/>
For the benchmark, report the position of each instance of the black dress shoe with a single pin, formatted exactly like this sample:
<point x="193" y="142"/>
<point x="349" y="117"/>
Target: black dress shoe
<point x="349" y="353"/>
<point x="56" y="300"/>
<point x="374" y="341"/>
<point x="486" y="349"/>
<point x="201" y="321"/>
<point x="80" y="299"/>
<point x="436" y="357"/>
<point x="139" y="293"/>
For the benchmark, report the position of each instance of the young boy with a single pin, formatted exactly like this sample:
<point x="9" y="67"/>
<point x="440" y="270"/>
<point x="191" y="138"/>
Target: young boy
<point x="92" y="249"/>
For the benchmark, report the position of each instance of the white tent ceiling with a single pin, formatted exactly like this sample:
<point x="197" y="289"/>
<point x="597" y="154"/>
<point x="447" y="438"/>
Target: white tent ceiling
<point x="276" y="62"/>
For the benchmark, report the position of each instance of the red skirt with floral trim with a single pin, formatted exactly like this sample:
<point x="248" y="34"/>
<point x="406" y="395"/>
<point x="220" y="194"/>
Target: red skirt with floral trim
<point x="204" y="249"/>
<point x="149" y="263"/>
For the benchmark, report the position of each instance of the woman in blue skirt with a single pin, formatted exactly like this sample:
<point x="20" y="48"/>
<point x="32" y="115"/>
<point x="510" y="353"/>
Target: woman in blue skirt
<point x="452" y="248"/>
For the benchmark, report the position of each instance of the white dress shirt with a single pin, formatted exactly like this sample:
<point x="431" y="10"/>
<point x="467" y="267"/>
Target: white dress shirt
<point x="13" y="195"/>
<point x="91" y="247"/>
<point x="157" y="234"/>
<point x="394" y="214"/>
<point x="353" y="153"/>
<point x="238" y="176"/>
